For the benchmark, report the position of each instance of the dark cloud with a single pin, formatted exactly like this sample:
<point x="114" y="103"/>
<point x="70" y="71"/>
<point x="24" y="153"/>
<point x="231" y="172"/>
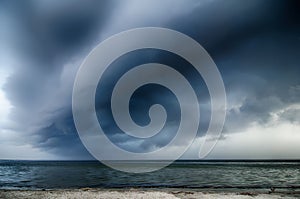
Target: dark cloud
<point x="53" y="31"/>
<point x="255" y="44"/>
<point x="60" y="138"/>
<point x="146" y="96"/>
<point x="265" y="76"/>
<point x="291" y="115"/>
<point x="50" y="35"/>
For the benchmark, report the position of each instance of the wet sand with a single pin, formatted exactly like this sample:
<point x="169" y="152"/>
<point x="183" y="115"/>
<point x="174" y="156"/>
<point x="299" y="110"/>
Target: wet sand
<point x="129" y="193"/>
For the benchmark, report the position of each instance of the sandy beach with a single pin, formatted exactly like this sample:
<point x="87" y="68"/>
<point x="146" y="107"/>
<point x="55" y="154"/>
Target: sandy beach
<point x="131" y="193"/>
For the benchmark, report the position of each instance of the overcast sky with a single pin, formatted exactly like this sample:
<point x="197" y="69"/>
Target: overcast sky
<point x="255" y="44"/>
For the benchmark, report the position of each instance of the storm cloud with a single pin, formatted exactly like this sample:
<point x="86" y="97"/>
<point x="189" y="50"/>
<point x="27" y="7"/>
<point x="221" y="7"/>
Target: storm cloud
<point x="255" y="44"/>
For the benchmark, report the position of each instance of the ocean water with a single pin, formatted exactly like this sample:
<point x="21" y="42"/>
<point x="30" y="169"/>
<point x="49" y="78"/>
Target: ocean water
<point x="182" y="174"/>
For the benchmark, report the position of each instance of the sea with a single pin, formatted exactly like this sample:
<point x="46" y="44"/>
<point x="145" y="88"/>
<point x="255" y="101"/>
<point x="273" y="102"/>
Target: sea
<point x="208" y="175"/>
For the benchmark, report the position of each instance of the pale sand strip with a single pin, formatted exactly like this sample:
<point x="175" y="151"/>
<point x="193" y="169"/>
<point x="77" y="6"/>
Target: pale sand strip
<point x="130" y="194"/>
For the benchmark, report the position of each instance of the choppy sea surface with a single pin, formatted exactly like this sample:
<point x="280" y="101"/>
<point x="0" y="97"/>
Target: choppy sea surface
<point x="181" y="174"/>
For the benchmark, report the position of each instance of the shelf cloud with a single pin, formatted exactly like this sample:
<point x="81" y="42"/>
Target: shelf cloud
<point x="255" y="44"/>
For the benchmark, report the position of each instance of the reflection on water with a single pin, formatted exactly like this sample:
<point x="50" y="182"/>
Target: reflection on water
<point x="74" y="174"/>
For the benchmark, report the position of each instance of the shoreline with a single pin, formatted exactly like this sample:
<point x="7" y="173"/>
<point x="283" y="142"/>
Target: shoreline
<point x="144" y="193"/>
